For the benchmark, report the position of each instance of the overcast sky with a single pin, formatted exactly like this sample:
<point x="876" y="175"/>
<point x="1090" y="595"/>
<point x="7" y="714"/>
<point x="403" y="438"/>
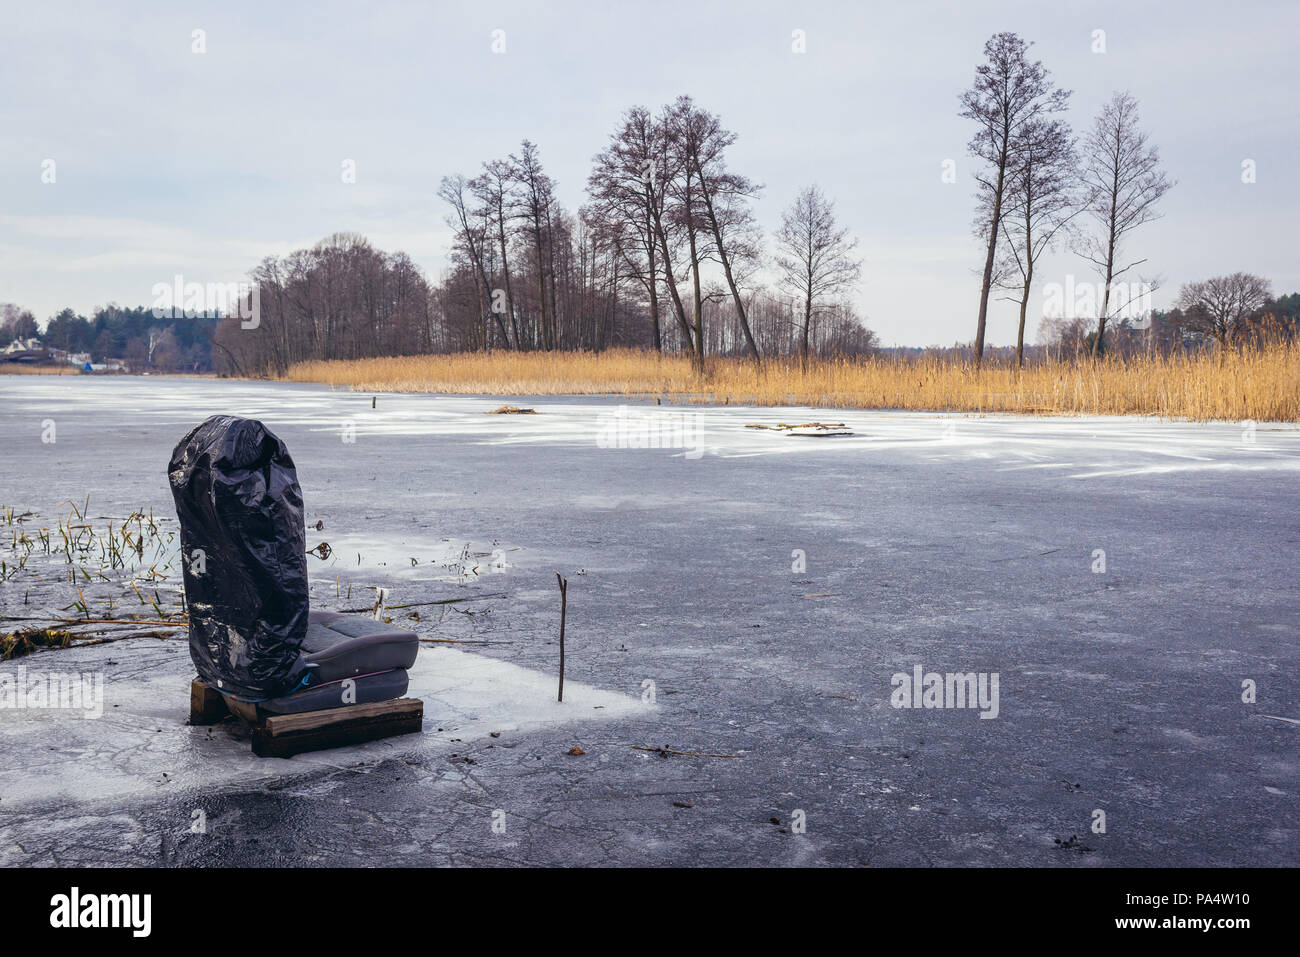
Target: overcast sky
<point x="168" y="161"/>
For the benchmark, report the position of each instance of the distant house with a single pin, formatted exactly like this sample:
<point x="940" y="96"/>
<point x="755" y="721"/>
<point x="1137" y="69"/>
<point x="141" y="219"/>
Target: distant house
<point x="71" y="358"/>
<point x="26" y="351"/>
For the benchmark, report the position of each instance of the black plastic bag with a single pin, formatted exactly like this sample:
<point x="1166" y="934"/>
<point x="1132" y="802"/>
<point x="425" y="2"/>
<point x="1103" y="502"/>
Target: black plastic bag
<point x="244" y="556"/>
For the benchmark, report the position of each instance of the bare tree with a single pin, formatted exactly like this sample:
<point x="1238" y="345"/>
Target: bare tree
<point x="627" y="190"/>
<point x="723" y="196"/>
<point x="155" y="340"/>
<point x="1221" y="307"/>
<point x="1041" y="200"/>
<point x="492" y="189"/>
<point x="674" y="208"/>
<point x="1122" y="174"/>
<point x="533" y="196"/>
<point x="814" y="255"/>
<point x="684" y="212"/>
<point x="1009" y="95"/>
<point x="471" y="241"/>
<point x="16" y="323"/>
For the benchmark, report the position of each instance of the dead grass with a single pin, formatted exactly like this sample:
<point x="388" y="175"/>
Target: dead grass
<point x="18" y="368"/>
<point x="1263" y="384"/>
<point x="26" y="641"/>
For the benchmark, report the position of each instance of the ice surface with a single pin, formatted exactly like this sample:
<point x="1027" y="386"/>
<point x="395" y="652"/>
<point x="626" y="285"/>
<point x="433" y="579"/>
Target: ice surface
<point x="957" y="542"/>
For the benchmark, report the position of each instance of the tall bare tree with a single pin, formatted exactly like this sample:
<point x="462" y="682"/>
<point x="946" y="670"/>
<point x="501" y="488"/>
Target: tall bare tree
<point x="684" y="212"/>
<point x="1124" y="180"/>
<point x="627" y="191"/>
<point x="674" y="208"/>
<point x="533" y="196"/>
<point x="1042" y="199"/>
<point x="724" y="198"/>
<point x="1220" y="308"/>
<point x="471" y="241"/>
<point x="1009" y="94"/>
<point x="815" y="256"/>
<point x="492" y="189"/>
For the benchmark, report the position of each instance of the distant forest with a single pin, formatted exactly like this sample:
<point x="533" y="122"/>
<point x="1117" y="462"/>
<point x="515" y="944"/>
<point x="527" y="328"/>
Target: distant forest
<point x="145" y="343"/>
<point x="185" y="344"/>
<point x="413" y="323"/>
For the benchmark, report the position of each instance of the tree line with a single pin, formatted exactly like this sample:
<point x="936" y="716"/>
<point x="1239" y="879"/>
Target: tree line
<point x="665" y="254"/>
<point x="135" y="335"/>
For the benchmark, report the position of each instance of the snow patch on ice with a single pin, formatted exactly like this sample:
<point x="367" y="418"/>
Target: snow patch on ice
<point x="142" y="745"/>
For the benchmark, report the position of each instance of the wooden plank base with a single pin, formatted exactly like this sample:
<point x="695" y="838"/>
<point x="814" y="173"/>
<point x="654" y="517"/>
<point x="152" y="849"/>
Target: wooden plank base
<point x="207" y="705"/>
<point x="284" y="735"/>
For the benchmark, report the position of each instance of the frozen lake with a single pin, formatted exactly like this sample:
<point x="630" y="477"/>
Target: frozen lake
<point x="1123" y="578"/>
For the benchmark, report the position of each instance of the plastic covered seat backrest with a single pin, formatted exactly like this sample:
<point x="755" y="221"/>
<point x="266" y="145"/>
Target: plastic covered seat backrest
<point x="244" y="556"/>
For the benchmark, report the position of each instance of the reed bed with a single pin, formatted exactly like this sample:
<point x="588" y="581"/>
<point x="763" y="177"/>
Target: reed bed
<point x="18" y="368"/>
<point x="1261" y="384"/>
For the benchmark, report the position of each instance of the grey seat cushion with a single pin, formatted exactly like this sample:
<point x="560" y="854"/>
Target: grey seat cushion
<point x="339" y="646"/>
<point x="373" y="687"/>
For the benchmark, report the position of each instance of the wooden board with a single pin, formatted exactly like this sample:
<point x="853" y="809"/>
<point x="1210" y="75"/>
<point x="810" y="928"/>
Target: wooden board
<point x="242" y="709"/>
<point x="207" y="705"/>
<point x="283" y="735"/>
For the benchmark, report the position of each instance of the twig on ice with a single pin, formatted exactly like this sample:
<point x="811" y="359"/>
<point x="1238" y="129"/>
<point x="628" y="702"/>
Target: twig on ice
<point x="694" y="754"/>
<point x="564" y="603"/>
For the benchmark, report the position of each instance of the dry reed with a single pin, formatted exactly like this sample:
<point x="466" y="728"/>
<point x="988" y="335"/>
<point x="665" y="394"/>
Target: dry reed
<point x="1260" y="384"/>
